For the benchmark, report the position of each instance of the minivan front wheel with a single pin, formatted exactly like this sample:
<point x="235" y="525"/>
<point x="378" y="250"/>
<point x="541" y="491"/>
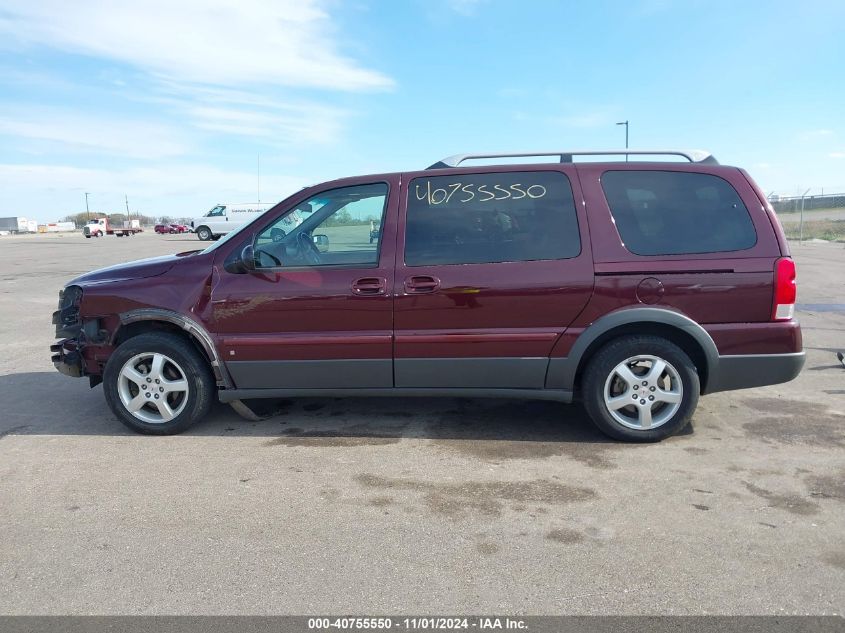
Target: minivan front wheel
<point x="158" y="384"/>
<point x="641" y="389"/>
<point x="204" y="233"/>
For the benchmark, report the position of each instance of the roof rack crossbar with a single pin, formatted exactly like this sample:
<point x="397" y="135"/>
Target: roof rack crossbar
<point x="692" y="155"/>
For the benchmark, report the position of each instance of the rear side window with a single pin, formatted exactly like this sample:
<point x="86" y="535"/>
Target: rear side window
<point x="489" y="218"/>
<point x="676" y="213"/>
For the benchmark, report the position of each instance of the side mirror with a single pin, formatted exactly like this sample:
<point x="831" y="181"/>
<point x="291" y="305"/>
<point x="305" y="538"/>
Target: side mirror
<point x="321" y="241"/>
<point x="248" y="258"/>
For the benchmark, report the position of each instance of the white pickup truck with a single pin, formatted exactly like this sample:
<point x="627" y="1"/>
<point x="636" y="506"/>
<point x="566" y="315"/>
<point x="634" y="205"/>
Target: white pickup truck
<point x="224" y="218"/>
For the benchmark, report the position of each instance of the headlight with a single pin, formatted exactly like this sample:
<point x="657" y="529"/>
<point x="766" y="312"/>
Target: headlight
<point x="70" y="296"/>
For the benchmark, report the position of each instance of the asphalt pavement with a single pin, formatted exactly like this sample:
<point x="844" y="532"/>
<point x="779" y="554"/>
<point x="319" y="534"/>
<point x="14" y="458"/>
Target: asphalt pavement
<point x="400" y="506"/>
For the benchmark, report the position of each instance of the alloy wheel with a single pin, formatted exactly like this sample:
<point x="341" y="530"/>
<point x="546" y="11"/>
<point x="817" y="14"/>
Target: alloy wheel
<point x="153" y="388"/>
<point x="643" y="392"/>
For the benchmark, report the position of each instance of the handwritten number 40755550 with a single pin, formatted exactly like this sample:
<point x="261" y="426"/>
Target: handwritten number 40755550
<point x="479" y="193"/>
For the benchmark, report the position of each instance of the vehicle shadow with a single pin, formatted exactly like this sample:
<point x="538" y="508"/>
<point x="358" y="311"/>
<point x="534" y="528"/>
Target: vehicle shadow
<point x="47" y="403"/>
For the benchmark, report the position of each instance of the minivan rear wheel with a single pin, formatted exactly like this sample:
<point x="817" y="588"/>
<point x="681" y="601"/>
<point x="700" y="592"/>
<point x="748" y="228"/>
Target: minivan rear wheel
<point x="158" y="384"/>
<point x="640" y="389"/>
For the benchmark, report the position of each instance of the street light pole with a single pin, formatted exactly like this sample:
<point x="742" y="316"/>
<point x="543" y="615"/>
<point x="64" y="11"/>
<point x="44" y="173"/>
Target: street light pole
<point x="625" y="123"/>
<point x="87" y="212"/>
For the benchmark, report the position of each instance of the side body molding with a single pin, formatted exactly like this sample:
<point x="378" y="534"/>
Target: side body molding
<point x="562" y="371"/>
<point x="194" y="329"/>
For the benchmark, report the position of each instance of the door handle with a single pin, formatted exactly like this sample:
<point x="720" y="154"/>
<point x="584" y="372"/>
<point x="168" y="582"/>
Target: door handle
<point x="369" y="286"/>
<point x="420" y="284"/>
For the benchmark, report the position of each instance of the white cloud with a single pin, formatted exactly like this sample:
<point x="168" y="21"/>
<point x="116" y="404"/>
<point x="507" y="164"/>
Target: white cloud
<point x="166" y="180"/>
<point x="837" y="154"/>
<point x="814" y="134"/>
<point x="465" y="7"/>
<point x="297" y="126"/>
<point x="243" y="113"/>
<point x="220" y="42"/>
<point x="130" y="138"/>
<point x="44" y="191"/>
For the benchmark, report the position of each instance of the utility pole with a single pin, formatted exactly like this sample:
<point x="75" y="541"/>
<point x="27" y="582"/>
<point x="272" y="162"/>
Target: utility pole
<point x="128" y="215"/>
<point x="625" y="123"/>
<point x="87" y="212"/>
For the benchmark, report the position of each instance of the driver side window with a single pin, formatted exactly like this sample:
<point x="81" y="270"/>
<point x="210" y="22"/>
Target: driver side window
<point x="339" y="227"/>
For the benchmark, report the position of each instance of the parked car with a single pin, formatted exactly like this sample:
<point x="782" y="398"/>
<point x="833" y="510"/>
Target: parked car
<point x="172" y="228"/>
<point x="634" y="287"/>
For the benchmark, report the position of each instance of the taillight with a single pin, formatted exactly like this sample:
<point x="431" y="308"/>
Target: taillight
<point x="783" y="307"/>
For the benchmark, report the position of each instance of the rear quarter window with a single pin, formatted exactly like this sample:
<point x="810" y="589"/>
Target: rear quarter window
<point x="489" y="218"/>
<point x="677" y="213"/>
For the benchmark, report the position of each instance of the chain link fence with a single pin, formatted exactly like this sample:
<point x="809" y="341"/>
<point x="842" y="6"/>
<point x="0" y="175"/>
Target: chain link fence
<point x="793" y="204"/>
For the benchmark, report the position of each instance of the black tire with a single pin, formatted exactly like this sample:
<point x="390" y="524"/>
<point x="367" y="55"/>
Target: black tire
<point x="601" y="372"/>
<point x="204" y="233"/>
<point x="189" y="361"/>
<point x="87" y="237"/>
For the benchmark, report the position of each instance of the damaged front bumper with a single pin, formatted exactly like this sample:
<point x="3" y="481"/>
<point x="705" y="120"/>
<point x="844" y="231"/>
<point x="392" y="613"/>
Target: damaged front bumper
<point x="67" y="358"/>
<point x="75" y="336"/>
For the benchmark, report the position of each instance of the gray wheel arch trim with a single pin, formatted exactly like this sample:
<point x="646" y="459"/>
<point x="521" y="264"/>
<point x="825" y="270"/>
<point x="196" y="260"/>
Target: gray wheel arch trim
<point x="562" y="371"/>
<point x="194" y="329"/>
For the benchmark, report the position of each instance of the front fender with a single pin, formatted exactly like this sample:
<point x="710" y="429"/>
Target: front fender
<point x="194" y="329"/>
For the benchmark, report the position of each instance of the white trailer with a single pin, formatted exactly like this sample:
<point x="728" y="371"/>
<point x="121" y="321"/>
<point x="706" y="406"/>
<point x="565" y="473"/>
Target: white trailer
<point x="57" y="227"/>
<point x="15" y="224"/>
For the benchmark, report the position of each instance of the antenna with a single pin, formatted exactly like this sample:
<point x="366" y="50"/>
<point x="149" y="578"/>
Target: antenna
<point x="259" y="179"/>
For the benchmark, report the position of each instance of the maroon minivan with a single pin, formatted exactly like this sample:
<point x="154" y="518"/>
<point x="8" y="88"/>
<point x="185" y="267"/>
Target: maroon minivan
<point x="632" y="286"/>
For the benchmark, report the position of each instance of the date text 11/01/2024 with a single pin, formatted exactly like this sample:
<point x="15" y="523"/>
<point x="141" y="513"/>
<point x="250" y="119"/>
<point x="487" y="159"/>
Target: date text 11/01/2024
<point x="441" y="195"/>
<point x="418" y="623"/>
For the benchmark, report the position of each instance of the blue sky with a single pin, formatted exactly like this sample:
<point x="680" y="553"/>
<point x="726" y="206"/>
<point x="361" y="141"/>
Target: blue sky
<point x="171" y="103"/>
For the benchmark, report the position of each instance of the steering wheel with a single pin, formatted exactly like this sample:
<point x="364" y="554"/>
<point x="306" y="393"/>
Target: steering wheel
<point x="308" y="250"/>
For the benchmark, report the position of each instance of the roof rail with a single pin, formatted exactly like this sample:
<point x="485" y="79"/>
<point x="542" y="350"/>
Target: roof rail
<point x="692" y="155"/>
